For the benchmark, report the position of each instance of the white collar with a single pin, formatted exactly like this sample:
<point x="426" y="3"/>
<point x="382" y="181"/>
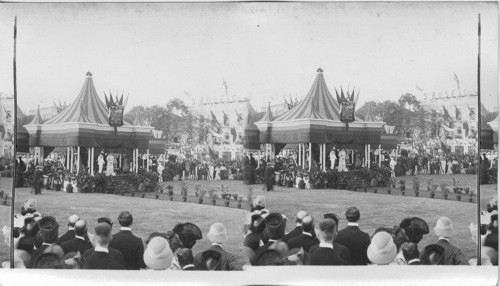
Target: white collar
<point x="414" y="259"/>
<point x="326" y="245"/>
<point x="272" y="240"/>
<point x="80" y="237"/>
<point x="71" y="228"/>
<point x="352" y="224"/>
<point x="45" y="243"/>
<point x="215" y="243"/>
<point x="307" y="233"/>
<point x="187" y="265"/>
<point x="125" y="228"/>
<point x="101" y="249"/>
<point x="444" y="238"/>
<point x="299" y="224"/>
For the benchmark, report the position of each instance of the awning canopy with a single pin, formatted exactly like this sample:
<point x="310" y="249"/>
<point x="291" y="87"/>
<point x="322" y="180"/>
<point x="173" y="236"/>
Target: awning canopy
<point x="84" y="123"/>
<point x="316" y="119"/>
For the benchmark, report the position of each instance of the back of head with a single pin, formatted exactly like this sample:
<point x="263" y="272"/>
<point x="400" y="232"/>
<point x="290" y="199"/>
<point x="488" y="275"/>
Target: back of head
<point x="352" y="214"/>
<point x="185" y="256"/>
<point x="433" y="254"/>
<point x="49" y="228"/>
<point x="332" y="216"/>
<point x="327" y="229"/>
<point x="72" y="220"/>
<point x="275" y="225"/>
<point x="410" y="251"/>
<point x="80" y="227"/>
<point x="300" y="216"/>
<point x="307" y="224"/>
<point x="102" y="233"/>
<point x="268" y="257"/>
<point x="125" y="219"/>
<point x="48" y="261"/>
<point x="188" y="233"/>
<point x="106" y="220"/>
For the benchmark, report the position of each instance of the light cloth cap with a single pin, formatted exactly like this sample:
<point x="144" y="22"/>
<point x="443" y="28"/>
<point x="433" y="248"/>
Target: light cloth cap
<point x="444" y="227"/>
<point x="217" y="233"/>
<point x="382" y="249"/>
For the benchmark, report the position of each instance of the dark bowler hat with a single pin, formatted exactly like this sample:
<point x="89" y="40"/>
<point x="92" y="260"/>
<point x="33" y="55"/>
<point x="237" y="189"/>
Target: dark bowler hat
<point x="275" y="224"/>
<point x="106" y="220"/>
<point x="49" y="228"/>
<point x="188" y="233"/>
<point x="332" y="216"/>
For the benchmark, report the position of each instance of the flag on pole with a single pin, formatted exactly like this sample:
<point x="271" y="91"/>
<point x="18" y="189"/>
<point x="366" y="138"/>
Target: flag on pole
<point x="466" y="129"/>
<point x="446" y="115"/>
<point x="212" y="153"/>
<point x="458" y="113"/>
<point x="233" y="132"/>
<point x="214" y="119"/>
<point x="445" y="149"/>
<point x="456" y="79"/>
<point x="226" y="119"/>
<point x="419" y="88"/>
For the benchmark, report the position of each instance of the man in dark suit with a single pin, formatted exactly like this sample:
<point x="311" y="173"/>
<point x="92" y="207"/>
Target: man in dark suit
<point x="216" y="258"/>
<point x="411" y="253"/>
<point x="186" y="259"/>
<point x="128" y="244"/>
<point x="269" y="176"/>
<point x="304" y="240"/>
<point x="451" y="255"/>
<point x="100" y="258"/>
<point x="49" y="228"/>
<point x="298" y="228"/>
<point x="78" y="244"/>
<point x="70" y="234"/>
<point x="328" y="252"/>
<point x="353" y="238"/>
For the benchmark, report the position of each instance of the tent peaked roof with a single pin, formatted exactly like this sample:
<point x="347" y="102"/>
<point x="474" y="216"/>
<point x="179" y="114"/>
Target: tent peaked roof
<point x="318" y="103"/>
<point x="138" y="121"/>
<point x="87" y="107"/>
<point x="37" y="120"/>
<point x="268" y="116"/>
<point x="369" y="116"/>
<point x="20" y="113"/>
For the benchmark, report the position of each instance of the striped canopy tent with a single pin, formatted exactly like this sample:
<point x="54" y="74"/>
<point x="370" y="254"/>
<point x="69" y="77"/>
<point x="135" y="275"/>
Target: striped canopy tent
<point x="85" y="124"/>
<point x="316" y="120"/>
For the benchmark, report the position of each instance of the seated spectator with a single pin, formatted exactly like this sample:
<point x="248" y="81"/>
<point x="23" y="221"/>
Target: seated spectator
<point x="128" y="244"/>
<point x="297" y="256"/>
<point x="186" y="259"/>
<point x="49" y="228"/>
<point x="451" y="255"/>
<point x="354" y="238"/>
<point x="382" y="249"/>
<point x="188" y="233"/>
<point x="78" y="243"/>
<point x="70" y="234"/>
<point x="306" y="239"/>
<point x="158" y="255"/>
<point x="275" y="228"/>
<point x="48" y="260"/>
<point x="328" y="252"/>
<point x="411" y="254"/>
<point x="216" y="258"/>
<point x="298" y="226"/>
<point x="101" y="258"/>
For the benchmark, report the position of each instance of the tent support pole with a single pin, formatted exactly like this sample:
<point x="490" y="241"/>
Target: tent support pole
<point x="67" y="158"/>
<point x="310" y="156"/>
<point x="78" y="163"/>
<point x="147" y="160"/>
<point x="379" y="155"/>
<point x="89" y="151"/>
<point x="299" y="154"/>
<point x="92" y="161"/>
<point x="324" y="157"/>
<point x="369" y="156"/>
<point x="303" y="155"/>
<point x="321" y="155"/>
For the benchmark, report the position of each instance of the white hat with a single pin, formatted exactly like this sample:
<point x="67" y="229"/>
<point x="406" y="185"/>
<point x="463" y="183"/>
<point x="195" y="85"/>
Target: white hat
<point x="444" y="227"/>
<point x="382" y="249"/>
<point x="158" y="254"/>
<point x="217" y="233"/>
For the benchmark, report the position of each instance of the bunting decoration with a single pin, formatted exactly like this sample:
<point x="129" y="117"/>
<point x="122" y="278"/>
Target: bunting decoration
<point x="115" y="110"/>
<point x="347" y="106"/>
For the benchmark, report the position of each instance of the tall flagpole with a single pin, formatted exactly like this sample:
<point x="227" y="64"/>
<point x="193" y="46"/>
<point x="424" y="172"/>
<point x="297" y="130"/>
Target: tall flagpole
<point x="13" y="192"/>
<point x="478" y="214"/>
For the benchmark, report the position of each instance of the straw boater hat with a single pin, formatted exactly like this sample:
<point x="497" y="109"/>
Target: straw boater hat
<point x="217" y="233"/>
<point x="158" y="254"/>
<point x="444" y="227"/>
<point x="382" y="249"/>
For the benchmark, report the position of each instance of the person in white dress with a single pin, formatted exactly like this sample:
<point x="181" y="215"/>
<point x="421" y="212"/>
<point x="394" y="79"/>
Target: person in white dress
<point x="217" y="172"/>
<point x="109" y="167"/>
<point x="392" y="164"/>
<point x="100" y="162"/>
<point x="342" y="165"/>
<point x="450" y="165"/>
<point x="210" y="171"/>
<point x="333" y="158"/>
<point x="443" y="165"/>
<point x="160" y="172"/>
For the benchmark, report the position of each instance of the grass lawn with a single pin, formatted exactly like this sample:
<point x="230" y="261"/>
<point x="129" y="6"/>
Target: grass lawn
<point x="6" y="186"/>
<point x="377" y="209"/>
<point x="149" y="215"/>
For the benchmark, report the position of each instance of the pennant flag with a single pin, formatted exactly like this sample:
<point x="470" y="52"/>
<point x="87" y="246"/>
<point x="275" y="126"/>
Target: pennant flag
<point x="419" y="88"/>
<point x="446" y="115"/>
<point x="226" y="119"/>
<point x="239" y="117"/>
<point x="214" y="119"/>
<point x="233" y="132"/>
<point x="357" y="97"/>
<point x="212" y="153"/>
<point x="338" y="97"/>
<point x="458" y="113"/>
<point x="466" y="129"/>
<point x="342" y="97"/>
<point x="444" y="147"/>
<point x="456" y="79"/>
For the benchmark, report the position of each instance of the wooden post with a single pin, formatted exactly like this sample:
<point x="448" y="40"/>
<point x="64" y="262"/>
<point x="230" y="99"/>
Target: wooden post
<point x="379" y="155"/>
<point x="310" y="155"/>
<point x="78" y="160"/>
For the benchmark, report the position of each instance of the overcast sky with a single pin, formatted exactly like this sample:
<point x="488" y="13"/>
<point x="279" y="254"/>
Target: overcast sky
<point x="156" y="52"/>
